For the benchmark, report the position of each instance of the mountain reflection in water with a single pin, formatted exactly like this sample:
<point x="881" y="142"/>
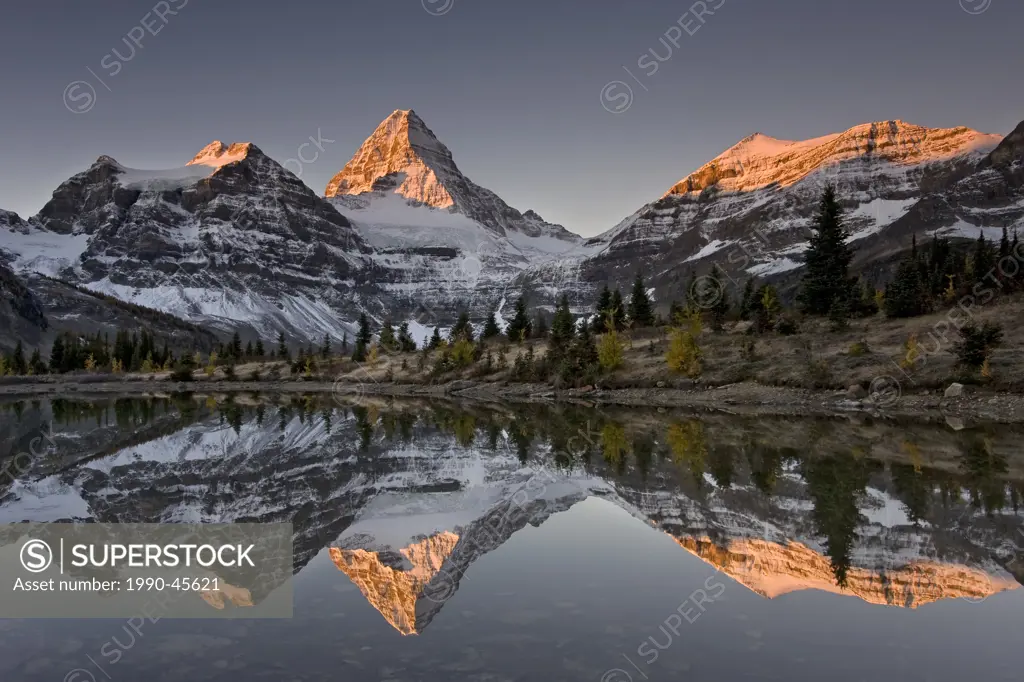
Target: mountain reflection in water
<point x="400" y="499"/>
<point x="407" y="495"/>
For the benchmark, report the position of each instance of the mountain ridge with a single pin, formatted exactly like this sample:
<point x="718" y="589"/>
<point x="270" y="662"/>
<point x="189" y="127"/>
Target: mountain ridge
<point x="894" y="140"/>
<point x="234" y="240"/>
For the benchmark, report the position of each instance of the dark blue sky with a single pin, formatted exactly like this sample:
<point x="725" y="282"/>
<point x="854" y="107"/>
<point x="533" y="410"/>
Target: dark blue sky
<point x="513" y="87"/>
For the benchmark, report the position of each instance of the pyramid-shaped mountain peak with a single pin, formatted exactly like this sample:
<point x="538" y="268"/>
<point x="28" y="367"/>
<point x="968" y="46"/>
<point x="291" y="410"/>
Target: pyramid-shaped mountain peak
<point x="401" y="145"/>
<point x="218" y="154"/>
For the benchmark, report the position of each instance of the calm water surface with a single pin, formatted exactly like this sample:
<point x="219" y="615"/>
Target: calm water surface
<point x="460" y="542"/>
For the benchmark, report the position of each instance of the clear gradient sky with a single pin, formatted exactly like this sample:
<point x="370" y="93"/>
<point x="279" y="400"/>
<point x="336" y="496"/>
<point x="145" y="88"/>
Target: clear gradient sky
<point x="513" y="87"/>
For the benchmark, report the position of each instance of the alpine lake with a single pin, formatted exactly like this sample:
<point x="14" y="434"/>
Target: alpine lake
<point x="489" y="542"/>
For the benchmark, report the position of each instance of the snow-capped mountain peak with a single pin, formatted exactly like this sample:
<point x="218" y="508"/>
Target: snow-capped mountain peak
<point x="216" y="154"/>
<point x="750" y="208"/>
<point x="404" y="159"/>
<point x="401" y="144"/>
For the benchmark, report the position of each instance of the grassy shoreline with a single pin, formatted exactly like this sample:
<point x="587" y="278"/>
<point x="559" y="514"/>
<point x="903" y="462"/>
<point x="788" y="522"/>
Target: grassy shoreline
<point x="740" y="398"/>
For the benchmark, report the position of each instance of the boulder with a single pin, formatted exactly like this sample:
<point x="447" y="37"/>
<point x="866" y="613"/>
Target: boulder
<point x="741" y="327"/>
<point x="955" y="391"/>
<point x="857" y="392"/>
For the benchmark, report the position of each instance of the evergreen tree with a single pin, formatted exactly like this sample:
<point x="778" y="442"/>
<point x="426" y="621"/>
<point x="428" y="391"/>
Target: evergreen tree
<point x="720" y="304"/>
<point x="835" y="483"/>
<point x="1015" y="252"/>
<point x="906" y="295"/>
<point x="405" y="341"/>
<point x="520" y="327"/>
<point x="563" y="329"/>
<point x="640" y="312"/>
<point x="236" y="345"/>
<point x="18" y="363"/>
<point x="866" y="304"/>
<point x="839" y="314"/>
<point x="260" y="352"/>
<point x="282" y="348"/>
<point x="618" y="310"/>
<point x="183" y="370"/>
<point x="363" y="339"/>
<point x="982" y="262"/>
<point x="248" y="349"/>
<point x="828" y="257"/>
<point x="604" y="304"/>
<point x="325" y="349"/>
<point x="675" y="312"/>
<point x="344" y="343"/>
<point x="491" y="328"/>
<point x="435" y="340"/>
<point x="462" y="329"/>
<point x="747" y="303"/>
<point x="939" y="266"/>
<point x="36" y="364"/>
<point x="57" y="354"/>
<point x="584" y="349"/>
<point x="540" y="327"/>
<point x="1004" y="245"/>
<point x="387" y="336"/>
<point x="976" y="343"/>
<point x="766" y="308"/>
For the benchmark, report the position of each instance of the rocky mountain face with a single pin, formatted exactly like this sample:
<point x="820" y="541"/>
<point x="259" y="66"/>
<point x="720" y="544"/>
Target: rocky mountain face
<point x="443" y="242"/>
<point x="749" y="210"/>
<point x="35" y="309"/>
<point x="233" y="241"/>
<point x="773" y="569"/>
<point x="387" y="585"/>
<point x="405" y="517"/>
<point x="406" y="155"/>
<point x="21" y="313"/>
<point x="985" y="200"/>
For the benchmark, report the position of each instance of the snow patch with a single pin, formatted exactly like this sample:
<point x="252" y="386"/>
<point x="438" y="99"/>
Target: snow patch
<point x="774" y="267"/>
<point x="43" y="251"/>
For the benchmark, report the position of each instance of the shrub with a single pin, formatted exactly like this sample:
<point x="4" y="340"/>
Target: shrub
<point x="976" y="344"/>
<point x="912" y="351"/>
<point x="749" y="350"/>
<point x="787" y="326"/>
<point x="463" y="353"/>
<point x="820" y="373"/>
<point x="443" y="363"/>
<point x="839" y="315"/>
<point x="524" y="368"/>
<point x="182" y="372"/>
<point x="859" y="349"/>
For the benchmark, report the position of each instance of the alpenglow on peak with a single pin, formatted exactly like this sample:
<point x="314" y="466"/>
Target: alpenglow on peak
<point x="401" y="145"/>
<point x="218" y="154"/>
<point x="759" y="160"/>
